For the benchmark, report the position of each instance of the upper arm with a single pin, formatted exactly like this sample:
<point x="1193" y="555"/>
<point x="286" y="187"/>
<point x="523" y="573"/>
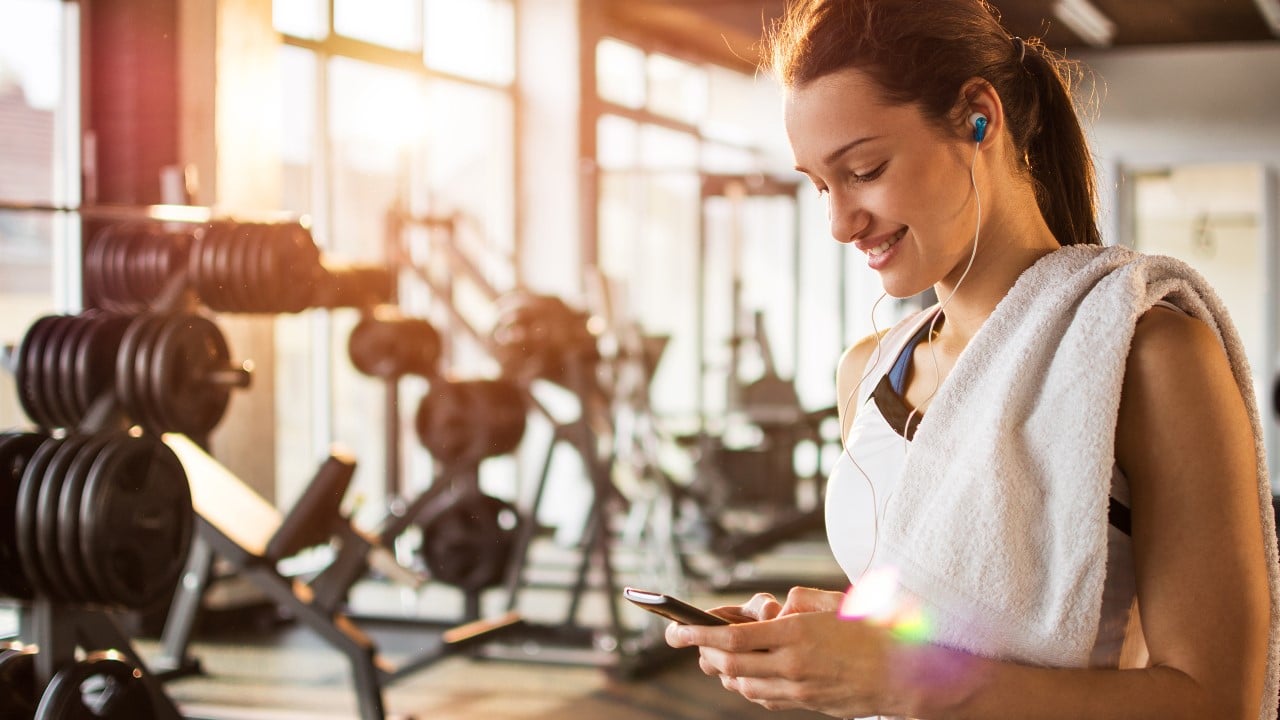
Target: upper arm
<point x="850" y="372"/>
<point x="1186" y="444"/>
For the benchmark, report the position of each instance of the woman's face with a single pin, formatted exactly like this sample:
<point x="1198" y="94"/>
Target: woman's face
<point x="897" y="186"/>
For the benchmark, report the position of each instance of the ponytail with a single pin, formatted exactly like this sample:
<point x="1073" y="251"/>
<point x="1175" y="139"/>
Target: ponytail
<point x="1061" y="166"/>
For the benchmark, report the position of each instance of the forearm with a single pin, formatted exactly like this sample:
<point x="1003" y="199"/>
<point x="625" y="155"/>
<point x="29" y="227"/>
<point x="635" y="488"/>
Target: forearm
<point x="939" y="684"/>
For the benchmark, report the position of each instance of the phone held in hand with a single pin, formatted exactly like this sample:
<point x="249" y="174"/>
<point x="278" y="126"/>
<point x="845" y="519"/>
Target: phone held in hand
<point x="671" y="608"/>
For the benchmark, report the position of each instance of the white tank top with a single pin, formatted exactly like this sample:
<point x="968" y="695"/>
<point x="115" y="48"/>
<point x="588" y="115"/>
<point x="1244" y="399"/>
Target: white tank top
<point x="856" y="495"/>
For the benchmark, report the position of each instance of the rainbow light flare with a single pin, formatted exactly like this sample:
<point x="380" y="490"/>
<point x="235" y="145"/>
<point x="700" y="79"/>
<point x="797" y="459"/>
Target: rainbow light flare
<point x="875" y="598"/>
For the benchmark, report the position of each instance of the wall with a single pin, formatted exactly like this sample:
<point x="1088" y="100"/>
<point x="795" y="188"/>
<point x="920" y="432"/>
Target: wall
<point x="1158" y="107"/>
<point x="1164" y="107"/>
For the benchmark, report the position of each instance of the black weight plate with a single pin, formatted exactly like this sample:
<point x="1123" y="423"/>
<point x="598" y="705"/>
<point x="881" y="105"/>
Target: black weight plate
<point x="298" y="260"/>
<point x="257" y="282"/>
<point x="237" y="281"/>
<point x="52" y="389"/>
<point x="268" y="277"/>
<point x="66" y="390"/>
<point x="47" y="517"/>
<point x="111" y="288"/>
<point x="203" y="260"/>
<point x="91" y="269"/>
<point x="155" y="277"/>
<point x="95" y="366"/>
<point x="118" y="270"/>
<point x="150" y="405"/>
<point x="189" y="349"/>
<point x="127" y="358"/>
<point x="195" y="272"/>
<point x="225" y="274"/>
<point x="16" y="450"/>
<point x="468" y="544"/>
<point x="28" y="372"/>
<point x="68" y="518"/>
<point x="19" y="694"/>
<point x="104" y="686"/>
<point x="136" y="521"/>
<point x="26" y="521"/>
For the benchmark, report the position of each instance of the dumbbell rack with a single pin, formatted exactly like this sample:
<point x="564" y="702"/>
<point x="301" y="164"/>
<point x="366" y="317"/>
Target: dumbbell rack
<point x="58" y="629"/>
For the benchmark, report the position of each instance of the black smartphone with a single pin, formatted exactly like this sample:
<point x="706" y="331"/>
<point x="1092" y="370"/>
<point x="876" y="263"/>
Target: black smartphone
<point x="671" y="608"/>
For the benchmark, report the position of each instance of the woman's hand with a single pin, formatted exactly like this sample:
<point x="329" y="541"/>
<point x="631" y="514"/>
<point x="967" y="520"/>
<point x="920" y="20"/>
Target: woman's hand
<point x="798" y="654"/>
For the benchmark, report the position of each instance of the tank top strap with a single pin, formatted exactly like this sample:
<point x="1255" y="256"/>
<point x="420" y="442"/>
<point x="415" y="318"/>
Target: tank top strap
<point x="891" y="346"/>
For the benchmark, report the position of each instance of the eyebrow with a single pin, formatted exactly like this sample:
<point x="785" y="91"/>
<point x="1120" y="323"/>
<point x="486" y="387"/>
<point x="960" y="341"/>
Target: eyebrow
<point x="834" y="155"/>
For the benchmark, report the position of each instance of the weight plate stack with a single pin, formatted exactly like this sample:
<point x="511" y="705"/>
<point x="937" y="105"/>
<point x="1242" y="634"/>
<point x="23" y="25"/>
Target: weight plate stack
<point x="16" y="451"/>
<point x="64" y="364"/>
<point x="127" y="266"/>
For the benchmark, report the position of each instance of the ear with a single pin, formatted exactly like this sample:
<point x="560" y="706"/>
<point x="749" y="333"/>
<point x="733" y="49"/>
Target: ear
<point x="978" y="96"/>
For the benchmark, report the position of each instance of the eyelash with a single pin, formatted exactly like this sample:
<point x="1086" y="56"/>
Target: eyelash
<point x="858" y="179"/>
<point x="871" y="175"/>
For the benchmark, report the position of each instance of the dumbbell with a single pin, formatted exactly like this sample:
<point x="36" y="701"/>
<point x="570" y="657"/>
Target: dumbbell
<point x="173" y="373"/>
<point x="469" y="543"/>
<point x="102" y="686"/>
<point x="127" y="266"/>
<point x="255" y="267"/>
<point x="387" y="345"/>
<point x="464" y="422"/>
<point x="64" y="363"/>
<point x="540" y="336"/>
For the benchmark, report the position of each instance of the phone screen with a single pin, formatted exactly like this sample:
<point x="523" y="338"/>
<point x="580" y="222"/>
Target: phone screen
<point x="671" y="608"/>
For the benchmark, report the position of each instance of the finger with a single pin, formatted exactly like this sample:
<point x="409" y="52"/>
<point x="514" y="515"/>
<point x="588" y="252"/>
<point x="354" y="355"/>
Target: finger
<point x="762" y="606"/>
<point x="676" y="637"/>
<point x="804" y="599"/>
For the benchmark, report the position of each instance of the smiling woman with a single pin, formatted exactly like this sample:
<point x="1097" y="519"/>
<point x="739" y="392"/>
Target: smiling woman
<point x="1047" y="476"/>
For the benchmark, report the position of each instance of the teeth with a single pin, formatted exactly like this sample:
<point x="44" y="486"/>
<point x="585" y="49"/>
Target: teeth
<point x="888" y="243"/>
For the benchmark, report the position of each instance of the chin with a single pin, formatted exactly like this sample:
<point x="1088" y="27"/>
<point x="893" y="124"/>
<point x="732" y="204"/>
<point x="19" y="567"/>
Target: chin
<point x="902" y="288"/>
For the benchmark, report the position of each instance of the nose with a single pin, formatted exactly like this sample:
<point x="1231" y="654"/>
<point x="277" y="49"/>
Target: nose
<point x="847" y="216"/>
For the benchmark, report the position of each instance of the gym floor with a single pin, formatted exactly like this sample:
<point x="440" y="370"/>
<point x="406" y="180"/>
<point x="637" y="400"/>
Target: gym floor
<point x="283" y="671"/>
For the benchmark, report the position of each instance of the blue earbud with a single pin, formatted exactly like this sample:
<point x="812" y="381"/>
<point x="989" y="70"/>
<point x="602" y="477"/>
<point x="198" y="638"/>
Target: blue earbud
<point x="979" y="123"/>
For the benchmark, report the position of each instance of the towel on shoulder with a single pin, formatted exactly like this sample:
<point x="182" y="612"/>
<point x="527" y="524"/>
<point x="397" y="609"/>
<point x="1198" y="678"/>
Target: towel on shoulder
<point x="999" y="526"/>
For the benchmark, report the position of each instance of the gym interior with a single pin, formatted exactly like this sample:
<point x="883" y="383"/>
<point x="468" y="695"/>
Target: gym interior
<point x="399" y="337"/>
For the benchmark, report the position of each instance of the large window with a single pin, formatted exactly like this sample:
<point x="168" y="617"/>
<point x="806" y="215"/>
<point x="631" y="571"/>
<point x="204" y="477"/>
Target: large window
<point x="403" y="104"/>
<point x="39" y="132"/>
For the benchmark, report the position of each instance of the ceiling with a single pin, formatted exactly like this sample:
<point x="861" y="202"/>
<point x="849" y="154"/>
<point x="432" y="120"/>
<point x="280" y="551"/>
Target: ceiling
<point x="729" y="30"/>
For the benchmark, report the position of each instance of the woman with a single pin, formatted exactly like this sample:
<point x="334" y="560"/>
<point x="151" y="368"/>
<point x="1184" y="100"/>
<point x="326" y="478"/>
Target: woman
<point x="1063" y="476"/>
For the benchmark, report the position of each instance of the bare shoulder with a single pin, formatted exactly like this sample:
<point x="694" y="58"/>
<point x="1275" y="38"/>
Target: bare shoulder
<point x="1170" y="344"/>
<point x="853" y="364"/>
<point x="1179" y="391"/>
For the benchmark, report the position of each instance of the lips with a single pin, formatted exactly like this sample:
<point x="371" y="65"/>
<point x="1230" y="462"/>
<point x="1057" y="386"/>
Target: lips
<point x="884" y="246"/>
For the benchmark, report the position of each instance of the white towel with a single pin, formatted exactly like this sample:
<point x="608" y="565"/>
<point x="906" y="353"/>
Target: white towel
<point x="1009" y="472"/>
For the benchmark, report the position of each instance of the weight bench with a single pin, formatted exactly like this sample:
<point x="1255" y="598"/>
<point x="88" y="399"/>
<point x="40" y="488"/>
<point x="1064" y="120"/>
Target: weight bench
<point x="235" y="523"/>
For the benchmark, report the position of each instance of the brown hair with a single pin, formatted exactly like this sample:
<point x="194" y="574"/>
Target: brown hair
<point x="923" y="52"/>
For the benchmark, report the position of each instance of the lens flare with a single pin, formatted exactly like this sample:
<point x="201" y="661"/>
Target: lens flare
<point x="876" y="599"/>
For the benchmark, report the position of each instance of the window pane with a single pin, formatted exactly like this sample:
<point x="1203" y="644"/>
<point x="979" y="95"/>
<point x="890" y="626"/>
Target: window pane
<point x="468" y="150"/>
<point x="471" y="38"/>
<point x="665" y="149"/>
<point x="30" y="95"/>
<point x="617" y="143"/>
<point x="37" y="126"/>
<point x="392" y="23"/>
<point x="297" y="127"/>
<point x="301" y="18"/>
<point x="620" y="73"/>
<point x="375" y="115"/>
<point x="295" y="336"/>
<point x="676" y="88"/>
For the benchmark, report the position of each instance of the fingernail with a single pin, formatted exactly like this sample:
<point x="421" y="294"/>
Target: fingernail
<point x="685" y="634"/>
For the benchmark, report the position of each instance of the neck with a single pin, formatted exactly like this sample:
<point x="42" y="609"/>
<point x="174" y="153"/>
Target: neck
<point x="1012" y="238"/>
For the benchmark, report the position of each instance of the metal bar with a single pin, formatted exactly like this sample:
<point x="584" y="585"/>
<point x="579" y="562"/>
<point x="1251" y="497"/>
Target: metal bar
<point x="190" y="214"/>
<point x="176" y="637"/>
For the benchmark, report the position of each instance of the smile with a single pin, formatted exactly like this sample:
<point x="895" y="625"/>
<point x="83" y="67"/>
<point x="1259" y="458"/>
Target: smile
<point x="887" y="243"/>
